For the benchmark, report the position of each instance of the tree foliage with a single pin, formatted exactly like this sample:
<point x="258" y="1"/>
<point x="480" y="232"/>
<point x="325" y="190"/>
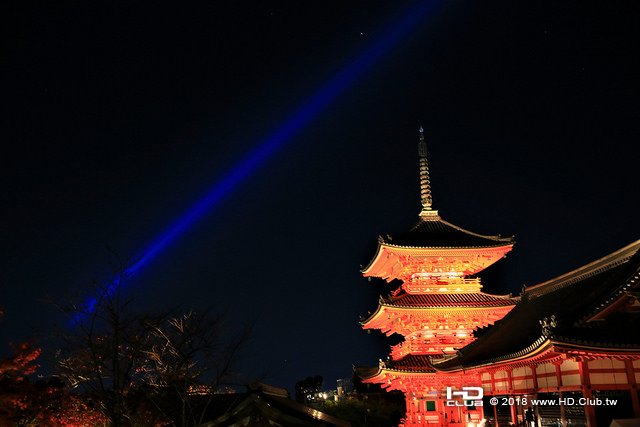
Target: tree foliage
<point x="142" y="369"/>
<point x="16" y="396"/>
<point x="24" y="402"/>
<point x="119" y="367"/>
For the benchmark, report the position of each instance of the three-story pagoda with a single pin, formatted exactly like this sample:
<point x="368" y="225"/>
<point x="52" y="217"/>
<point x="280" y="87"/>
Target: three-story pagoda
<point x="436" y="308"/>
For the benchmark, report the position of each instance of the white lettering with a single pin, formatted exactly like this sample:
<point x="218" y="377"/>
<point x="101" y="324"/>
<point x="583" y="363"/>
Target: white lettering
<point x="464" y="394"/>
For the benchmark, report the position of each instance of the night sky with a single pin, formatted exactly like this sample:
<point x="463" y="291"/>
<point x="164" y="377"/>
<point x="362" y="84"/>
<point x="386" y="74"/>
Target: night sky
<point x="118" y="116"/>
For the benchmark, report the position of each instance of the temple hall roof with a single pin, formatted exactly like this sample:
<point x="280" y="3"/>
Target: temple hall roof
<point x="265" y="408"/>
<point x="573" y="300"/>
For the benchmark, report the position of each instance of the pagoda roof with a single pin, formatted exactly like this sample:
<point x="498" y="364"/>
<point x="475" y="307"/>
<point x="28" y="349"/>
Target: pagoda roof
<point x="398" y="375"/>
<point x="438" y="233"/>
<point x="410" y="363"/>
<point x="563" y="312"/>
<point x="447" y="247"/>
<point x="434" y="300"/>
<point x="366" y="372"/>
<point x="413" y="307"/>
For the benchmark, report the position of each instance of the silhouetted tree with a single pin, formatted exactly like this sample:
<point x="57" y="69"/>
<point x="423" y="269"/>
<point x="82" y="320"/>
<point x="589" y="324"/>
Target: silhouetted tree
<point x="191" y="355"/>
<point x="103" y="354"/>
<point x="142" y="369"/>
<point x="307" y="388"/>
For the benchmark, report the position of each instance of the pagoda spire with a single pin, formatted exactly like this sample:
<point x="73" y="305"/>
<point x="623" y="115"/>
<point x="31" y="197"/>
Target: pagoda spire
<point x="425" y="184"/>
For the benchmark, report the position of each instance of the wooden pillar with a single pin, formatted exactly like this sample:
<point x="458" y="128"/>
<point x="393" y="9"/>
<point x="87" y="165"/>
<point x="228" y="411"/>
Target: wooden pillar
<point x="536" y="411"/>
<point x="589" y="410"/>
<point x="514" y="413"/>
<point x="563" y="418"/>
<point x="514" y="407"/>
<point x="633" y="387"/>
<point x="493" y="390"/>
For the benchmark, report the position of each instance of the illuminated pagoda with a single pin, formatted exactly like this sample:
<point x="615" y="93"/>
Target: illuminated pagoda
<point x="436" y="308"/>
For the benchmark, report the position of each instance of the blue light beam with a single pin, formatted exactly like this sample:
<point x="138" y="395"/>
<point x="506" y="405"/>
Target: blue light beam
<point x="317" y="103"/>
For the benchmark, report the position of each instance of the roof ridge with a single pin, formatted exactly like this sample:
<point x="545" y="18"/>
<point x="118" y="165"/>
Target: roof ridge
<point x="536" y="344"/>
<point x="625" y="289"/>
<point x="495" y="237"/>
<point x="600" y="265"/>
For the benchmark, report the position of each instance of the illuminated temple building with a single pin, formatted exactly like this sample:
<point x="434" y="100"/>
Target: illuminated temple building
<point x="571" y="342"/>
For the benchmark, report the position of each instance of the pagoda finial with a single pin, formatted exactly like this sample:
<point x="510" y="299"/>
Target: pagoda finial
<point x="425" y="184"/>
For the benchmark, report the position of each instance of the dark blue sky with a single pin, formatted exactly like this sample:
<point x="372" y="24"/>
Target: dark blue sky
<point x="118" y="116"/>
